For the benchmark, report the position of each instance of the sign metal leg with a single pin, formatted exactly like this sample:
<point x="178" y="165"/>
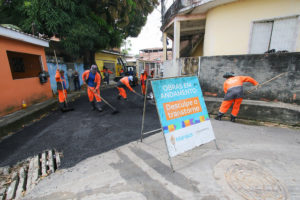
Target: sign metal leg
<point x="171" y="164"/>
<point x="217" y="147"/>
<point x="144" y="111"/>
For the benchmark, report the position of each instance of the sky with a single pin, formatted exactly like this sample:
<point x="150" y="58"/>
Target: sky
<point x="150" y="36"/>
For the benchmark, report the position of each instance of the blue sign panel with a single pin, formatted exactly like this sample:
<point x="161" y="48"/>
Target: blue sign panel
<point x="183" y="113"/>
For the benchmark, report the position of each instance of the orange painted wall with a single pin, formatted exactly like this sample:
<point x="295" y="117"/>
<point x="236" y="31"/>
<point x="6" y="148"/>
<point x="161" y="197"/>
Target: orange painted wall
<point x="13" y="92"/>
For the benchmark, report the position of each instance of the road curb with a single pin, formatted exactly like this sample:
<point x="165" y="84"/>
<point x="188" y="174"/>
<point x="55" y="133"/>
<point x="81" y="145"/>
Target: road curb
<point x="275" y="112"/>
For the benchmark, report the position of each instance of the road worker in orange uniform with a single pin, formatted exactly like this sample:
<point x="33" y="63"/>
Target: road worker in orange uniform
<point x="122" y="84"/>
<point x="233" y="88"/>
<point x="106" y="73"/>
<point x="92" y="79"/>
<point x="121" y="72"/>
<point x="62" y="90"/>
<point x="143" y="80"/>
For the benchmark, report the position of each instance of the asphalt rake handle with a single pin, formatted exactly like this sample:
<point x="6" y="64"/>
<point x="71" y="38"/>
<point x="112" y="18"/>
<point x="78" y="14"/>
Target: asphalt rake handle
<point x="61" y="82"/>
<point x="138" y="94"/>
<point x="250" y="91"/>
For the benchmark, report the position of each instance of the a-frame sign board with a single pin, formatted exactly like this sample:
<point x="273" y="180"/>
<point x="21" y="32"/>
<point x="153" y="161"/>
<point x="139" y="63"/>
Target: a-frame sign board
<point x="183" y="115"/>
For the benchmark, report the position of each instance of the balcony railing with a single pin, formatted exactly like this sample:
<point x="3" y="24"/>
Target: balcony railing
<point x="176" y="6"/>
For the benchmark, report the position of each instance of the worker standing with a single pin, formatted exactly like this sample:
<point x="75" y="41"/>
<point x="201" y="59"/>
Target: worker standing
<point x="92" y="79"/>
<point x="62" y="90"/>
<point x="106" y="73"/>
<point x="121" y="72"/>
<point x="122" y="84"/>
<point x="76" y="81"/>
<point x="233" y="88"/>
<point x="152" y="73"/>
<point x="143" y="80"/>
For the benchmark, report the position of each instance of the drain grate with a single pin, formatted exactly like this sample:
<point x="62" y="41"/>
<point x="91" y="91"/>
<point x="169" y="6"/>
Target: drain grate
<point x="22" y="178"/>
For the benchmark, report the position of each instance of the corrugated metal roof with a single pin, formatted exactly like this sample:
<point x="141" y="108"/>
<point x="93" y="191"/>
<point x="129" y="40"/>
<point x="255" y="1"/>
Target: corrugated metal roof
<point x="12" y="29"/>
<point x="155" y="49"/>
<point x="22" y="36"/>
<point x="111" y="52"/>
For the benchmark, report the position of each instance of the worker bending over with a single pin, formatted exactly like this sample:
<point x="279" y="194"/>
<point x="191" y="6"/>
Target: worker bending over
<point x="143" y="80"/>
<point x="62" y="90"/>
<point x="233" y="89"/>
<point x="92" y="79"/>
<point x="122" y="84"/>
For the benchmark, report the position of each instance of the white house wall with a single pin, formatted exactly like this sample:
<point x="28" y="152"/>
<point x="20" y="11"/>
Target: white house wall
<point x="228" y="27"/>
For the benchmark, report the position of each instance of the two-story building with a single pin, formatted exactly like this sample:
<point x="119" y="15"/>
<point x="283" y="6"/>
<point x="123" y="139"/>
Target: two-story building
<point x="231" y="27"/>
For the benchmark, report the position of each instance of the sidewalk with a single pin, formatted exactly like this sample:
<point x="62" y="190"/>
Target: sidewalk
<point x="253" y="162"/>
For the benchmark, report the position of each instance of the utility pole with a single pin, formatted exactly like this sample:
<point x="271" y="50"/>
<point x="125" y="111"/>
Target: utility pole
<point x="163" y="8"/>
<point x="164" y="35"/>
<point x="32" y="28"/>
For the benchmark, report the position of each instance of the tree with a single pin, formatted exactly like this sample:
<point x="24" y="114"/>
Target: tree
<point x="84" y="26"/>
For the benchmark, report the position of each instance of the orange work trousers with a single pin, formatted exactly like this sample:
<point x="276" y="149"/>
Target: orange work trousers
<point x="92" y="94"/>
<point x="143" y="89"/>
<point x="122" y="92"/>
<point x="61" y="96"/>
<point x="236" y="106"/>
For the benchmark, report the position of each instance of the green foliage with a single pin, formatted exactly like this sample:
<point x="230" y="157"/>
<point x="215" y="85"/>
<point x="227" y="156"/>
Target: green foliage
<point x="82" y="25"/>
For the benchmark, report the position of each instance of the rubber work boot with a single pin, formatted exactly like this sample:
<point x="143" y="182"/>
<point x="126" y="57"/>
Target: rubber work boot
<point x="219" y="117"/>
<point x="232" y="118"/>
<point x="67" y="108"/>
<point x="62" y="107"/>
<point x="98" y="107"/>
<point x="93" y="105"/>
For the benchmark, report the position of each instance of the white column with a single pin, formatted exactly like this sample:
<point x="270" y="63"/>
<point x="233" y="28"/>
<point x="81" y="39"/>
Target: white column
<point x="176" y="42"/>
<point x="165" y="47"/>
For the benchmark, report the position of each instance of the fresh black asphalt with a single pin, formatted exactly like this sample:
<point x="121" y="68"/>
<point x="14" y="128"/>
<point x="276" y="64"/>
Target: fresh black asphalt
<point x="81" y="133"/>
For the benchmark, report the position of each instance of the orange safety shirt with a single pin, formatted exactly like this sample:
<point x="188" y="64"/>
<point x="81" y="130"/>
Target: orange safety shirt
<point x="125" y="81"/>
<point x="106" y="72"/>
<point x="60" y="81"/>
<point x="233" y="86"/>
<point x="143" y="78"/>
<point x="97" y="80"/>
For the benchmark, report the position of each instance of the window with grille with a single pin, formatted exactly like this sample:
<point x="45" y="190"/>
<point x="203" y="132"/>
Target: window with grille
<point x="24" y="65"/>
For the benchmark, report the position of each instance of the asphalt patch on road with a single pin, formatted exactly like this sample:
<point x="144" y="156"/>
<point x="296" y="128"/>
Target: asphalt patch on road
<point x="82" y="133"/>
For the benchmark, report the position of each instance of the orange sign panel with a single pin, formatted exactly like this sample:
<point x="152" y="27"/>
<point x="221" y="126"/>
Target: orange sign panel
<point x="181" y="108"/>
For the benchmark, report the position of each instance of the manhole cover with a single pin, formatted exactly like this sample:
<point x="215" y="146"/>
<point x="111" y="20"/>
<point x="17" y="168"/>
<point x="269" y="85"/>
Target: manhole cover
<point x="251" y="181"/>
